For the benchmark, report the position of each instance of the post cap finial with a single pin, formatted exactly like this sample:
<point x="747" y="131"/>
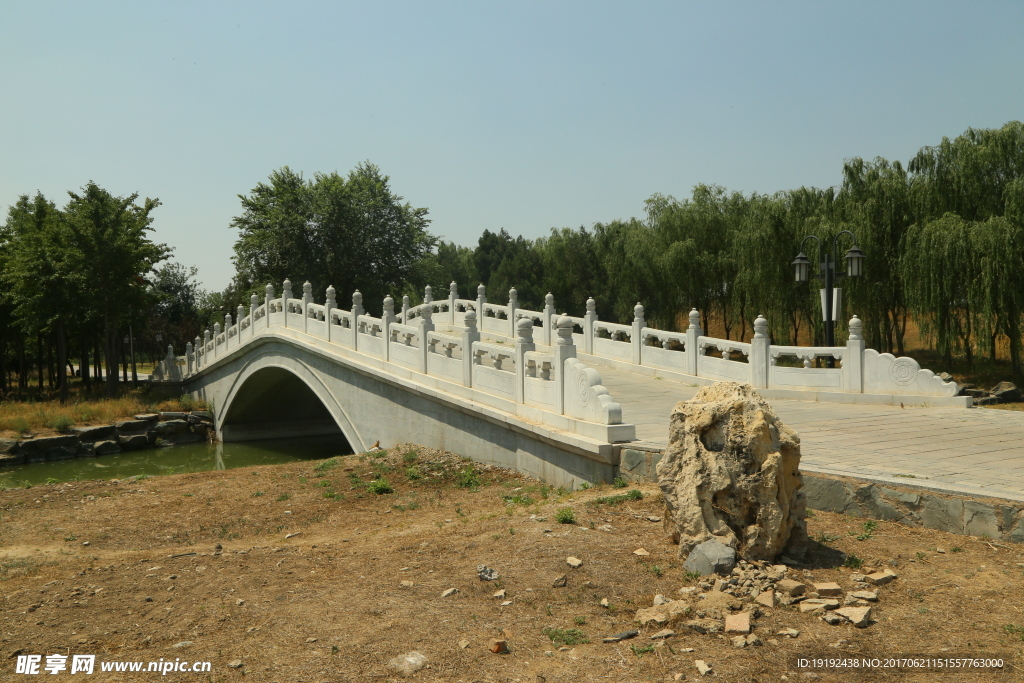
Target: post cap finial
<point x="524" y="326"/>
<point x="694" y="319"/>
<point x="591" y="305"/>
<point x="270" y="290"/>
<point x="481" y="289"/>
<point x="357" y="298"/>
<point x="761" y="327"/>
<point x="638" y="312"/>
<point x="307" y="288"/>
<point x="549" y="299"/>
<point x="454" y="288"/>
<point x="856" y="328"/>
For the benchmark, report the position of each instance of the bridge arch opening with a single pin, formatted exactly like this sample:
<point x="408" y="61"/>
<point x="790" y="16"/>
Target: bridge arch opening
<point x="274" y="403"/>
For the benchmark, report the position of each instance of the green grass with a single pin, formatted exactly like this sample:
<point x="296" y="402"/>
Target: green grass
<point x="640" y="651"/>
<point x="565" y="515"/>
<point x="409" y="457"/>
<point x="518" y="499"/>
<point x="853" y="562"/>
<point x="565" y="636"/>
<point x="1014" y="630"/>
<point x="379" y="486"/>
<point x="867" y="528"/>
<point x="468" y="477"/>
<point x="284" y="496"/>
<point x="633" y="494"/>
<point x="326" y="466"/>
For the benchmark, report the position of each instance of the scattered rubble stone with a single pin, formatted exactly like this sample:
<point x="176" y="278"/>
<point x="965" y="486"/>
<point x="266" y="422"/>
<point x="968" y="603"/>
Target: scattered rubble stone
<point x="858" y="616"/>
<point x="485" y="573"/>
<point x="881" y="578"/>
<point x="703" y="667"/>
<point x="711" y="557"/>
<point x="561" y="581"/>
<point x="574" y="562"/>
<point x="737" y="623"/>
<point x="766" y="598"/>
<point x="498" y="646"/>
<point x="618" y="637"/>
<point x="790" y="587"/>
<point x="662" y="634"/>
<point x="235" y="664"/>
<point x="828" y="589"/>
<point x="408" y="663"/>
<point x="450" y="591"/>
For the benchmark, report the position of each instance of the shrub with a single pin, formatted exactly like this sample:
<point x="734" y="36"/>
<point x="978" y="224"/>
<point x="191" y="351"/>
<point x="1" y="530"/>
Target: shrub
<point x="565" y="516"/>
<point x="379" y="486"/>
<point x="565" y="636"/>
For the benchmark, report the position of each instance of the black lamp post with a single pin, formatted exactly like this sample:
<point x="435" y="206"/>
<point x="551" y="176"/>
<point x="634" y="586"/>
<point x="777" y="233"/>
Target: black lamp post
<point x="827" y="271"/>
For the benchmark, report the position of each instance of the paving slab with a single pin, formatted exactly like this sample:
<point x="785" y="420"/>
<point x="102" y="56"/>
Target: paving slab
<point x="975" y="451"/>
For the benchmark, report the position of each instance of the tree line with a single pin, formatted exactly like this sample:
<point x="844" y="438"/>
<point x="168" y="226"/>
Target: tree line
<point x="943" y="234"/>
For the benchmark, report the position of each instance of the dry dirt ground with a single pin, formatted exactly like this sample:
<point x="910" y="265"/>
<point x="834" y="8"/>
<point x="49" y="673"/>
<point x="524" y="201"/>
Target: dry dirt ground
<point x="324" y="576"/>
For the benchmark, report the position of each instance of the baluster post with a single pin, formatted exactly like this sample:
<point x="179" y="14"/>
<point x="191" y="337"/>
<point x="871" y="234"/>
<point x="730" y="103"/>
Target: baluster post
<point x="387" y="317"/>
<point x="307" y="299"/>
<point x="589" y="318"/>
<point x="329" y="306"/>
<point x="198" y="353"/>
<point x="637" y="338"/>
<point x="760" y="352"/>
<point x="481" y="299"/>
<point x="469" y="335"/>
<point x="286" y="296"/>
<point x="357" y="310"/>
<point x="853" y="360"/>
<point x="513" y="304"/>
<point x="426" y="326"/>
<point x="188" y="358"/>
<point x="549" y="317"/>
<point x="524" y="343"/>
<point x="216" y="333"/>
<point x="267" y="299"/>
<point x="453" y="294"/>
<point x="692" y="352"/>
<point x="405" y="309"/>
<point x="564" y="350"/>
<point x="254" y="303"/>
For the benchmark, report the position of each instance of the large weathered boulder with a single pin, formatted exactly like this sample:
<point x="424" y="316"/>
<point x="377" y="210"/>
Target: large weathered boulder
<point x="731" y="474"/>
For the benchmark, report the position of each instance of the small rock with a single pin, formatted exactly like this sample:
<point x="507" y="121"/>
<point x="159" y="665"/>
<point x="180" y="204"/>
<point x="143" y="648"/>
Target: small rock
<point x="311" y="640"/>
<point x="499" y="594"/>
<point x="463" y="644"/>
<point x="498" y="646"/>
<point x="827" y="603"/>
<point x="857" y="578"/>
<point x="561" y="581"/>
<point x="858" y="616"/>
<point x="790" y="587"/>
<point x="766" y="598"/>
<point x="640" y="552"/>
<point x="506" y="603"/>
<point x="678" y="677"/>
<point x="753" y="640"/>
<point x="604" y="603"/>
<point x="828" y="589"/>
<point x="235" y="664"/>
<point x="661" y="600"/>
<point x="407" y="584"/>
<point x="184" y="643"/>
<point x="870" y="596"/>
<point x="832" y="618"/>
<point x="653" y="518"/>
<point x="688" y="590"/>
<point x="941" y="551"/>
<point x="450" y="591"/>
<point x="407" y="664"/>
<point x="293" y="535"/>
<point x="703" y="667"/>
<point x="810" y="608"/>
<point x="711" y="557"/>
<point x="881" y="578"/>
<point x="662" y="634"/>
<point x="85" y="542"/>
<point x="605" y="527"/>
<point x="239" y="602"/>
<point x="618" y="637"/>
<point x="739" y="641"/>
<point x="789" y="632"/>
<point x="703" y="626"/>
<point x="574" y="562"/>
<point x="737" y="623"/>
<point x="485" y="573"/>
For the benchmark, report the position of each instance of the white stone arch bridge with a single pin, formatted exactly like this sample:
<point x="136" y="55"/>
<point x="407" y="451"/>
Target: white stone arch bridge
<point x="497" y="382"/>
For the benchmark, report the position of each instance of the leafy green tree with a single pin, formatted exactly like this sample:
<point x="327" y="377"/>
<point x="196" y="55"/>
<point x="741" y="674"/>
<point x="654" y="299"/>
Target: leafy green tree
<point x="108" y="239"/>
<point x="350" y="232"/>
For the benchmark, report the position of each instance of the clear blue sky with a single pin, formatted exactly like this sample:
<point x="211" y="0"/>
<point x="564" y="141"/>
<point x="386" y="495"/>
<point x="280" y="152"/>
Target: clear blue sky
<point x="519" y="115"/>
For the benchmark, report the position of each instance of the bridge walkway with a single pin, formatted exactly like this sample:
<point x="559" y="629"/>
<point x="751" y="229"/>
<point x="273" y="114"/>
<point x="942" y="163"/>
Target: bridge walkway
<point x="973" y="452"/>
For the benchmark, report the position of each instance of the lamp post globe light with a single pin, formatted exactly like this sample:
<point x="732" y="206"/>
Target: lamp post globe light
<point x="828" y="272"/>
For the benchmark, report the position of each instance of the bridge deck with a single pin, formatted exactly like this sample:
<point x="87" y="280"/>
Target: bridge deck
<point x="976" y="452"/>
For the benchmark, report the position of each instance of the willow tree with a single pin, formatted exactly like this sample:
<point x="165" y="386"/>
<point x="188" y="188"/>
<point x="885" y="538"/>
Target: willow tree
<point x="938" y="265"/>
<point x="875" y="200"/>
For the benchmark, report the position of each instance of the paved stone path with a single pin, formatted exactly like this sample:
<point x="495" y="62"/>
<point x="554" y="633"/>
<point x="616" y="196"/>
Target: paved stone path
<point x="974" y="452"/>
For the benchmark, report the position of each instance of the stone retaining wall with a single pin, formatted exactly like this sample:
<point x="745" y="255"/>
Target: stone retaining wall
<point x="992" y="518"/>
<point x="144" y="431"/>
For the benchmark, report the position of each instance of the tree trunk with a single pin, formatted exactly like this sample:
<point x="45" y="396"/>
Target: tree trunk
<point x="51" y="372"/>
<point x="96" y="361"/>
<point x="110" y="356"/>
<point x="3" y="367"/>
<point x="40" y="359"/>
<point x="122" y="353"/>
<point x="84" y="364"/>
<point x="22" y="367"/>
<point x="62" y="361"/>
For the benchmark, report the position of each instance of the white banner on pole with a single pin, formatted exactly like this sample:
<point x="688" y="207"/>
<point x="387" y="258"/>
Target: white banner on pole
<point x="837" y="304"/>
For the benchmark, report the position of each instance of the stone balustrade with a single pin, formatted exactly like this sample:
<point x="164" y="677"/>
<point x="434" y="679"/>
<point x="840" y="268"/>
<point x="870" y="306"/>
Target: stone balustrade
<point x="442" y="338"/>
